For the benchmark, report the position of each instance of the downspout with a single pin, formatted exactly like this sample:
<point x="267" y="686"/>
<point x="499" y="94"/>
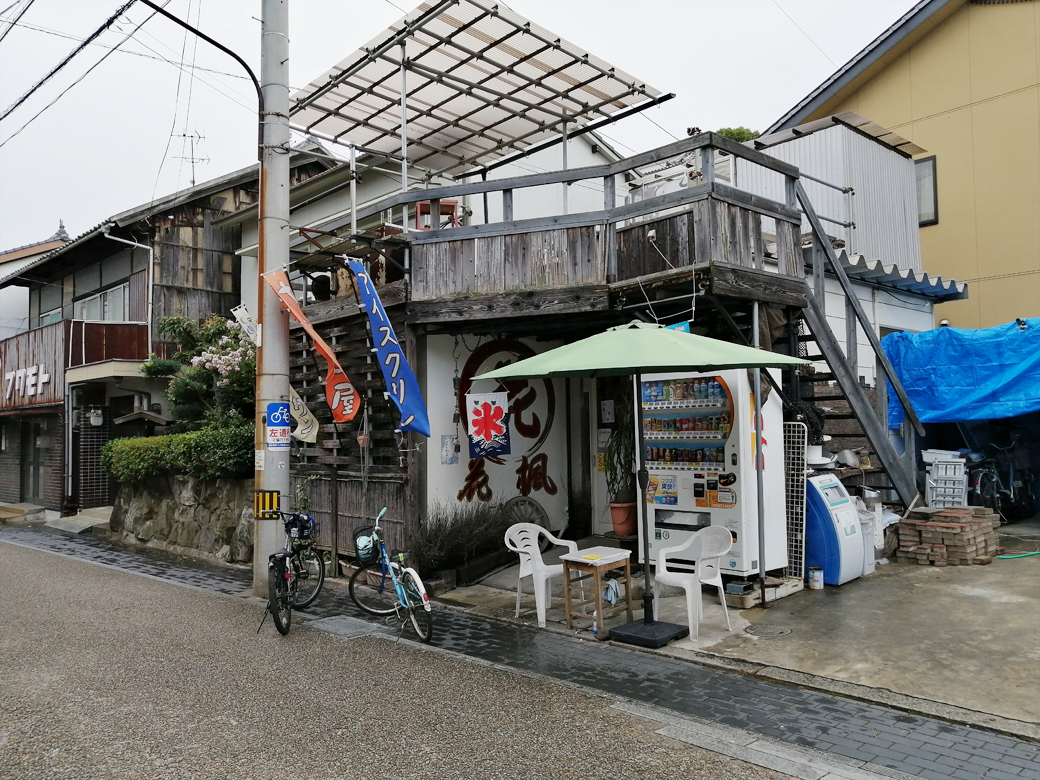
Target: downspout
<point x="151" y="273"/>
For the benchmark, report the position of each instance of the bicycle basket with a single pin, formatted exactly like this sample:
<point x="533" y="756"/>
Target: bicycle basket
<point x="301" y="528"/>
<point x="364" y="545"/>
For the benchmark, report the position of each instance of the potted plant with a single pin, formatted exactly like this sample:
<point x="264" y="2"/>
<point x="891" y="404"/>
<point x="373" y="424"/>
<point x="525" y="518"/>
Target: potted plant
<point x="620" y="459"/>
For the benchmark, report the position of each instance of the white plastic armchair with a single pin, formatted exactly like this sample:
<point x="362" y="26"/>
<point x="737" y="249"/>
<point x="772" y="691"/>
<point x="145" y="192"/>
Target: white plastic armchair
<point x="523" y="539"/>
<point x="705" y="548"/>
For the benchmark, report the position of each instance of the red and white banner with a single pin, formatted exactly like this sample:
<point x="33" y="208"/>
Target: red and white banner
<point x="340" y="394"/>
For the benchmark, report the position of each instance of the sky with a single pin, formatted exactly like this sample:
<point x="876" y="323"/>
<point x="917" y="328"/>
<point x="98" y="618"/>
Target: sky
<point x="139" y="126"/>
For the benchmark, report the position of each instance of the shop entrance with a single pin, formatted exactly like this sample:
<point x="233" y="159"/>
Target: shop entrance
<point x="34" y="469"/>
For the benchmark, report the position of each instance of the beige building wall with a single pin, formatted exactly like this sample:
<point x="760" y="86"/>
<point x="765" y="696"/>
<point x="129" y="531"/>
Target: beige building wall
<point x="968" y="93"/>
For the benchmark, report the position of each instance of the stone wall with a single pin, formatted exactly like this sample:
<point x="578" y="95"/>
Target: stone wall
<point x="188" y="515"/>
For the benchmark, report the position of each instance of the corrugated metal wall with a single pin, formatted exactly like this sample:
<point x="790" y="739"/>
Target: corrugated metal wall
<point x="884" y="207"/>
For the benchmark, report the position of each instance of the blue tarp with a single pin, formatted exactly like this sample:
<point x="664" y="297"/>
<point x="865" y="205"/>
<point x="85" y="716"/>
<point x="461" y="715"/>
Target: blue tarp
<point x="955" y="375"/>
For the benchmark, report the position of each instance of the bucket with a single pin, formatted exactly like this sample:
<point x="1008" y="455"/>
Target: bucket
<point x="815" y="578"/>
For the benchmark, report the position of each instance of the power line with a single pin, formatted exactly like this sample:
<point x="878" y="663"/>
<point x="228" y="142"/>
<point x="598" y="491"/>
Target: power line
<point x="77" y="81"/>
<point x="64" y="62"/>
<point x="15" y="21"/>
<point x="803" y="32"/>
<point x="176" y="105"/>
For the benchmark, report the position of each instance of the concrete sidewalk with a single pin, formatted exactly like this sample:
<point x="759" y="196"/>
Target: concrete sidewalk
<point x="961" y="643"/>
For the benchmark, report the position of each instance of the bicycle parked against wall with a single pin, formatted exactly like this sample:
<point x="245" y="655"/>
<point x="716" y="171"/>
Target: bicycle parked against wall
<point x="382" y="585"/>
<point x="1011" y="495"/>
<point x="296" y="573"/>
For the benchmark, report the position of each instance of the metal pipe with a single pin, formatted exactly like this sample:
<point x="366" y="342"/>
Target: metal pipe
<point x="759" y="458"/>
<point x="151" y="272"/>
<point x="272" y="356"/>
<point x="404" y="136"/>
<point x="565" y="185"/>
<point x="353" y="192"/>
<point x="837" y="187"/>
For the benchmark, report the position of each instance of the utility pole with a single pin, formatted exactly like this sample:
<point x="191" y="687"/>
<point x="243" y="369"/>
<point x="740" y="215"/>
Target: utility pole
<point x="272" y="356"/>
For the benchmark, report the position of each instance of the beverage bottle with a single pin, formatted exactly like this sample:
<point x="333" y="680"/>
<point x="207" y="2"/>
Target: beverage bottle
<point x="680" y="391"/>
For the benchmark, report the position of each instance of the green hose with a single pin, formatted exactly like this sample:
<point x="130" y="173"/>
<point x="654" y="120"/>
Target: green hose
<point x="1023" y="555"/>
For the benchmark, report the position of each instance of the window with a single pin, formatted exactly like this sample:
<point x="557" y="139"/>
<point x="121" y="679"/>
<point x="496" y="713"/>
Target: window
<point x="927" y="205"/>
<point x="50" y="317"/>
<point x="111" y="305"/>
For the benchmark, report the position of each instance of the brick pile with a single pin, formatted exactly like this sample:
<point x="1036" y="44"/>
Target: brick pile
<point x="949" y="536"/>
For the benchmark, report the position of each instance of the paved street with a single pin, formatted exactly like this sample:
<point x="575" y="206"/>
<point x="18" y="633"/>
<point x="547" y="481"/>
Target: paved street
<point x="113" y="672"/>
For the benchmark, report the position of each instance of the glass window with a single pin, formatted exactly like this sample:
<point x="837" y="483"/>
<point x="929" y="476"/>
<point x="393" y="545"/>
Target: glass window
<point x="50" y="317"/>
<point x="927" y="206"/>
<point x="115" y="304"/>
<point x="111" y="305"/>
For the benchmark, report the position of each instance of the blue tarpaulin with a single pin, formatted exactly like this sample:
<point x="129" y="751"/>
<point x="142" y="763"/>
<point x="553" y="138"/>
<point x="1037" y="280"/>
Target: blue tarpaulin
<point x="956" y="375"/>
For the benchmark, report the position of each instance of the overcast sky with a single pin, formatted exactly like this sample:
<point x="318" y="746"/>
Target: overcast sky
<point x="120" y="136"/>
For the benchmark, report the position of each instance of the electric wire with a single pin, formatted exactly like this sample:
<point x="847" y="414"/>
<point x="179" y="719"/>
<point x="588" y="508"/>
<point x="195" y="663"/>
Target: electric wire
<point x="176" y="108"/>
<point x="77" y="81"/>
<point x="15" y="20"/>
<point x="111" y="20"/>
<point x="191" y="85"/>
<point x="803" y="32"/>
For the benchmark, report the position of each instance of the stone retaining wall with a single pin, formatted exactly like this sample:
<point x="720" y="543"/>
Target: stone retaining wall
<point x="188" y="515"/>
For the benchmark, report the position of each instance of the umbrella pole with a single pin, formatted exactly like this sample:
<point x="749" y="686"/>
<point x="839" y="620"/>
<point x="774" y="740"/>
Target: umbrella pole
<point x="648" y="632"/>
<point x="759" y="461"/>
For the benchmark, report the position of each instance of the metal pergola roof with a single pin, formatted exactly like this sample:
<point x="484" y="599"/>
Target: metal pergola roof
<point x="479" y="84"/>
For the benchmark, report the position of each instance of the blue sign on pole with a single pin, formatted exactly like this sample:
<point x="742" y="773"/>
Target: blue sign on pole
<point x="278" y="426"/>
<point x="401" y="384"/>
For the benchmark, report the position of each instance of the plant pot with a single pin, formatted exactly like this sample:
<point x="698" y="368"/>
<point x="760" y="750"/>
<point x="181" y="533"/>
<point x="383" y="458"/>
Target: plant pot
<point x="623" y="516"/>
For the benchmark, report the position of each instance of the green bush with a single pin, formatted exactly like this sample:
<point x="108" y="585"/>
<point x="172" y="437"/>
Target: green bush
<point x="455" y="534"/>
<point x="205" y="454"/>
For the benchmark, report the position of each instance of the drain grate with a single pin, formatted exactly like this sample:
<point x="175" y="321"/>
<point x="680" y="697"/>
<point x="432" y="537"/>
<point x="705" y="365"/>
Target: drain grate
<point x="761" y="629"/>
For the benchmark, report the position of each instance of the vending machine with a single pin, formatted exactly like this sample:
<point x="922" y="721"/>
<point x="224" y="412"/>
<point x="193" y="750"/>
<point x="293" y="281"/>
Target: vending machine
<point x="699" y="447"/>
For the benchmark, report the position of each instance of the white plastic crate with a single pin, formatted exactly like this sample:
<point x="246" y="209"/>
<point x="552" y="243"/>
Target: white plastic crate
<point x="946" y="483"/>
<point x="930" y="456"/>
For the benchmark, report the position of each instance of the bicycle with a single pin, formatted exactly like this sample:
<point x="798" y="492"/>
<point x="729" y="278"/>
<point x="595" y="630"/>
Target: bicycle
<point x="296" y="573"/>
<point x="1016" y="500"/>
<point x="382" y="585"/>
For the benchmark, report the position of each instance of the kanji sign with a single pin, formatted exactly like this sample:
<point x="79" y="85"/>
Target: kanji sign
<point x="401" y="386"/>
<point x="487" y="419"/>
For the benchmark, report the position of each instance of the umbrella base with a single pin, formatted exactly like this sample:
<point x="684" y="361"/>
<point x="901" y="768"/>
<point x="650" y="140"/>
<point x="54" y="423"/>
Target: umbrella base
<point x="654" y="635"/>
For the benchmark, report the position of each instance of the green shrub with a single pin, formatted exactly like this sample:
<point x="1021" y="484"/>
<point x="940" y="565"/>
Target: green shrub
<point x="456" y="533"/>
<point x="206" y="454"/>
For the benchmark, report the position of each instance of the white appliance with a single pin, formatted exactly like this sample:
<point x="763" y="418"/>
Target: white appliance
<point x="698" y="445"/>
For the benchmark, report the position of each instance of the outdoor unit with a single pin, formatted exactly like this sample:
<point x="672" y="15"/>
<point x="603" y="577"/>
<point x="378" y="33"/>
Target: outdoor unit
<point x="698" y="445"/>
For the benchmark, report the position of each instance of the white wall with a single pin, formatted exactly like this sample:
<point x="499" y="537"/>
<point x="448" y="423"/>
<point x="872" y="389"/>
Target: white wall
<point x="14" y="311"/>
<point x="885" y="308"/>
<point x="444" y="481"/>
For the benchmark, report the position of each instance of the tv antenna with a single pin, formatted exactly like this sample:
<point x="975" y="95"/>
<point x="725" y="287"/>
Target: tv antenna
<point x="192" y="138"/>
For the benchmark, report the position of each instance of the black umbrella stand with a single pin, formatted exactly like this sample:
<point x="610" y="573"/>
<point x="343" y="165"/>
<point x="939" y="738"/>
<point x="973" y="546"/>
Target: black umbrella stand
<point x="646" y="632"/>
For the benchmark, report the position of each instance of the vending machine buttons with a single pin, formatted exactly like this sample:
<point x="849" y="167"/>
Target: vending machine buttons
<point x="698" y="490"/>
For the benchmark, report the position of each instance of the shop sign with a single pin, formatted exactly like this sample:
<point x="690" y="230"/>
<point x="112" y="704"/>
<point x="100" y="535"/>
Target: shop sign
<point x="25" y="382"/>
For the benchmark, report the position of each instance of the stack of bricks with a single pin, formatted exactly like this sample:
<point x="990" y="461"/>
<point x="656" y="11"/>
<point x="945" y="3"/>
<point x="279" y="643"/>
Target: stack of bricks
<point x="948" y="536"/>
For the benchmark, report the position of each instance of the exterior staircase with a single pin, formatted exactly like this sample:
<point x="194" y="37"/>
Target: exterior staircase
<point x="852" y="414"/>
<point x="89" y="520"/>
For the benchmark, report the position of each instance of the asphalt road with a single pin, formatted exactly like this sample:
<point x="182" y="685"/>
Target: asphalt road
<point x="105" y="674"/>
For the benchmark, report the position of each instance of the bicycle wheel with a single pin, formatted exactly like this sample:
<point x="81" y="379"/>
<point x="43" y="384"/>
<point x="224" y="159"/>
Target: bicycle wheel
<point x="422" y="620"/>
<point x="278" y="602"/>
<point x="310" y="576"/>
<point x="373" y="590"/>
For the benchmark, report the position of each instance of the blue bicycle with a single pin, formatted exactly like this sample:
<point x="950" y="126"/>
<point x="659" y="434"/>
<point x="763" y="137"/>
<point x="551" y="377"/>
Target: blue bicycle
<point x="382" y="585"/>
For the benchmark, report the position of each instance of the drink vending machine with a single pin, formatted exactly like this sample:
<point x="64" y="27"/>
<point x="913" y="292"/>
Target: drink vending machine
<point x="698" y="446"/>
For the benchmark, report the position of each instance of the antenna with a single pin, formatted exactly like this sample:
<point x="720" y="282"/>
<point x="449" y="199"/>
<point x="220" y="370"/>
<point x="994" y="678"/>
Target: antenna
<point x="192" y="139"/>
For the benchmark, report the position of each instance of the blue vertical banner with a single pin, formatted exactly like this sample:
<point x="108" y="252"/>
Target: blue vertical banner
<point x="401" y="385"/>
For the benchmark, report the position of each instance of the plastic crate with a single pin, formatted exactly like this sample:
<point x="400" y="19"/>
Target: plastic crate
<point x="947" y="468"/>
<point x="946" y="491"/>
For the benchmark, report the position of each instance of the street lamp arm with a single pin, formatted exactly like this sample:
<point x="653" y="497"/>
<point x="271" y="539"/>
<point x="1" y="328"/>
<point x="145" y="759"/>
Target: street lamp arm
<point x="239" y="60"/>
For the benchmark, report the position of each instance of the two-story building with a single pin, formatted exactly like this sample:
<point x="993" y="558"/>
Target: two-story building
<point x="71" y="376"/>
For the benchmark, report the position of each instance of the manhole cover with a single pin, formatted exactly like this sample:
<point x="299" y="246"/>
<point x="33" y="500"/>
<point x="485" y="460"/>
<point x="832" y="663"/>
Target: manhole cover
<point x="764" y="630"/>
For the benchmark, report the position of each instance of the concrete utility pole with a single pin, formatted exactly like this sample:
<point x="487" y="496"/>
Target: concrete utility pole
<point x="272" y="357"/>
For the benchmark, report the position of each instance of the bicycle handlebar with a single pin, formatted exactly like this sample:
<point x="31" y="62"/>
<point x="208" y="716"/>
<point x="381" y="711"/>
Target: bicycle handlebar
<point x="379" y="517"/>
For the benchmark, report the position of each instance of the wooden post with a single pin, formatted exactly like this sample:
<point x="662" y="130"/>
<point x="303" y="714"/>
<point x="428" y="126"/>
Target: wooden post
<point x="610" y="228"/>
<point x="507" y="205"/>
<point x="435" y="214"/>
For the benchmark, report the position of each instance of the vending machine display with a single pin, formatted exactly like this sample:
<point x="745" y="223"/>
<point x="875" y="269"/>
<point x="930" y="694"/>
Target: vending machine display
<point x="698" y="445"/>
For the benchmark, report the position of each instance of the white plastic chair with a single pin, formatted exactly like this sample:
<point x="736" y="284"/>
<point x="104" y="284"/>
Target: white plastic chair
<point x="523" y="539"/>
<point x="705" y="548"/>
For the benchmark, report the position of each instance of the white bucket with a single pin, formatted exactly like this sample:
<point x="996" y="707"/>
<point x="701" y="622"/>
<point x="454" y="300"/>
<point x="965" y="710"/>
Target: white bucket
<point x="815" y="578"/>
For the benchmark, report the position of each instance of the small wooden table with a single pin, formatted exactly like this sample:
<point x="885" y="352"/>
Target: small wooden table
<point x="592" y="564"/>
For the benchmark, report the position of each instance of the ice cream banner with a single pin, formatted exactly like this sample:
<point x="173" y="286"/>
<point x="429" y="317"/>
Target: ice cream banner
<point x="487" y="418"/>
<point x="340" y="394"/>
<point x="401" y="386"/>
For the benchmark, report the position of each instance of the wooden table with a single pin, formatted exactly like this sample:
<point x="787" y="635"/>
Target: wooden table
<point x="591" y="565"/>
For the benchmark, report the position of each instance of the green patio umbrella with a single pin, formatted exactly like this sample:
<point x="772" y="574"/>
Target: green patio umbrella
<point x="638" y="348"/>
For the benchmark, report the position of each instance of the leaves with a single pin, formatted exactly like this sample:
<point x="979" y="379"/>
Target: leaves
<point x="207" y="454"/>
